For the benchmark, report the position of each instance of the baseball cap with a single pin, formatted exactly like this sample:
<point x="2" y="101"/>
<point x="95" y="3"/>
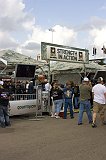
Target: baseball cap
<point x="85" y="79"/>
<point x="100" y="79"/>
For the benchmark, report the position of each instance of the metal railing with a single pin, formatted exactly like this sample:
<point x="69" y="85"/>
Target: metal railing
<point x="15" y="97"/>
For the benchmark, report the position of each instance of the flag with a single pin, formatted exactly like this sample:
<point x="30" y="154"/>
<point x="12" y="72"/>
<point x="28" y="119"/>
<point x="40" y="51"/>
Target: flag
<point x="104" y="49"/>
<point x="94" y="51"/>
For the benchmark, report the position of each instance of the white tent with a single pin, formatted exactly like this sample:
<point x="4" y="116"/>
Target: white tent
<point x="75" y="67"/>
<point x="3" y="61"/>
<point x="3" y="65"/>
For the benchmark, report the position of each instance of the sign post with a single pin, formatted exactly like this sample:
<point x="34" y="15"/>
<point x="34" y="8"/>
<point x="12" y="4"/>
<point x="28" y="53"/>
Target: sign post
<point x="39" y="107"/>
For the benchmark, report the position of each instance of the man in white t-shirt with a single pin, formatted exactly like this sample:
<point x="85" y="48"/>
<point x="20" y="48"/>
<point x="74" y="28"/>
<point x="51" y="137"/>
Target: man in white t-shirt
<point x="99" y="101"/>
<point x="47" y="86"/>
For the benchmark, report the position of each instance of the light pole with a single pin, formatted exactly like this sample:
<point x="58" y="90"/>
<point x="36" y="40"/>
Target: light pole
<point x="48" y="61"/>
<point x="52" y="30"/>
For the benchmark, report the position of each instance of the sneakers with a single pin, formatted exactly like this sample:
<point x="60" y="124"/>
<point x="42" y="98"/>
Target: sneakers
<point x="79" y="123"/>
<point x="53" y="116"/>
<point x="8" y="124"/>
<point x="90" y="122"/>
<point x="94" y="125"/>
<point x="57" y="117"/>
<point x="3" y="125"/>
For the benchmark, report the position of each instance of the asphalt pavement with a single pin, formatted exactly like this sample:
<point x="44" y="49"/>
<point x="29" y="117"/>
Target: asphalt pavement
<point x="52" y="139"/>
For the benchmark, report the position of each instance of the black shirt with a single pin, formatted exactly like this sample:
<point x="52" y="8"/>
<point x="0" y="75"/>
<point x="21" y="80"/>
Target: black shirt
<point x="4" y="97"/>
<point x="57" y="93"/>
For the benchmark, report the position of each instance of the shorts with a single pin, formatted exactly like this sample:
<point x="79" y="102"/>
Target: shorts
<point x="97" y="107"/>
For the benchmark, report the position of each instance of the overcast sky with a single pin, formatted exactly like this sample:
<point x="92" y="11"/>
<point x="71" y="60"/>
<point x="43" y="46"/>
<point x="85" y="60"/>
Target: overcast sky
<point x="24" y="24"/>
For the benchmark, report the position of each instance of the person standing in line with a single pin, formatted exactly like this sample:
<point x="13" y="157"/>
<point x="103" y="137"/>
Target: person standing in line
<point x="68" y="97"/>
<point x="76" y="96"/>
<point x="30" y="87"/>
<point x="48" y="89"/>
<point x="85" y="90"/>
<point x="26" y="87"/>
<point x="57" y="95"/>
<point x="52" y="107"/>
<point x="47" y="86"/>
<point x="99" y="101"/>
<point x="4" y="104"/>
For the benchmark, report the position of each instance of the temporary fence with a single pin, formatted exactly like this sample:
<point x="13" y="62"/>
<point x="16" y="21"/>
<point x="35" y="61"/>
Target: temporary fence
<point x="37" y="103"/>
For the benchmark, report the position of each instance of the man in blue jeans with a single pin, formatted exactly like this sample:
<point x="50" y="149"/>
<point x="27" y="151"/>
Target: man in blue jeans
<point x="85" y="93"/>
<point x="68" y="97"/>
<point x="4" y="102"/>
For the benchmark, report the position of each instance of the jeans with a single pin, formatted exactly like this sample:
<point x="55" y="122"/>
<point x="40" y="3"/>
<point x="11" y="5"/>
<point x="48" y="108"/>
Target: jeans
<point x="76" y="102"/>
<point x="58" y="105"/>
<point x="85" y="106"/>
<point x="68" y="103"/>
<point x="4" y="116"/>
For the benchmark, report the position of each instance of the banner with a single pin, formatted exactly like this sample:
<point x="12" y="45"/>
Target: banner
<point x="62" y="53"/>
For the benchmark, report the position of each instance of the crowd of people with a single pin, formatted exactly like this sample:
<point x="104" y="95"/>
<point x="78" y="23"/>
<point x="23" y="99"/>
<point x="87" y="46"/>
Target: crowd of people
<point x="19" y="87"/>
<point x="69" y="96"/>
<point x="85" y="96"/>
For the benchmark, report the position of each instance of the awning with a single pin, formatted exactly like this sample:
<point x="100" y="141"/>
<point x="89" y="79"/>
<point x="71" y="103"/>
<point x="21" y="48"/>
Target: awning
<point x="3" y="61"/>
